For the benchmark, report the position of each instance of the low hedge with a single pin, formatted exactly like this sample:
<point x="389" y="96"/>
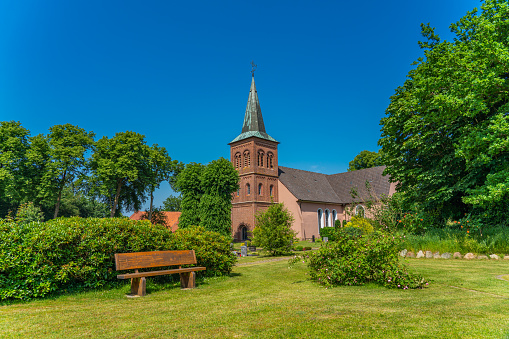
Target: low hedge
<point x="37" y="259"/>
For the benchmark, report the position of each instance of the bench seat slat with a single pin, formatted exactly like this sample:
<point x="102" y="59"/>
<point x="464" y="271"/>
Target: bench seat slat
<point x="128" y="261"/>
<point x="155" y="273"/>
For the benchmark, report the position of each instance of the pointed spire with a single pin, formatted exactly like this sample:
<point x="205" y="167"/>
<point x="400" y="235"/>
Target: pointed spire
<point x="253" y="121"/>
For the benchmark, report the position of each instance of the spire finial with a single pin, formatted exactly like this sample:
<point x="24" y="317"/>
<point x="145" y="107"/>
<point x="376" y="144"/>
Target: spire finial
<point x="253" y="68"/>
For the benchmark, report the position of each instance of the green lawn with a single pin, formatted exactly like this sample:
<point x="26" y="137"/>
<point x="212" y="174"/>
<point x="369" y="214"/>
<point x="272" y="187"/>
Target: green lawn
<point x="268" y="300"/>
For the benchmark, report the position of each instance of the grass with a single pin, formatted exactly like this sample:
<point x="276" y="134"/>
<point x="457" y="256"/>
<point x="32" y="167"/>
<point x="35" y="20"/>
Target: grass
<point x="493" y="240"/>
<point x="268" y="300"/>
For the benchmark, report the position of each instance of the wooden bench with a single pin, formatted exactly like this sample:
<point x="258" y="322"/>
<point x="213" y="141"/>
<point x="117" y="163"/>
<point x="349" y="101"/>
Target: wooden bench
<point x="141" y="260"/>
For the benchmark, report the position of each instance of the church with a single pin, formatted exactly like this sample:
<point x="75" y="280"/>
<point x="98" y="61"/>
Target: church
<point x="316" y="200"/>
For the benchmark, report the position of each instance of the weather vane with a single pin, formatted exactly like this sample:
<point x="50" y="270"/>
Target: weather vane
<point x="253" y="68"/>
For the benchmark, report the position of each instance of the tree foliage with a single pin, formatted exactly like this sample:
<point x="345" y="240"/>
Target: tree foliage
<point x="160" y="168"/>
<point x="172" y="203"/>
<point x="189" y="184"/>
<point x="14" y="145"/>
<point x="119" y="167"/>
<point x="274" y="231"/>
<point x="365" y="159"/>
<point x="445" y="138"/>
<point x="206" y="195"/>
<point x="67" y="146"/>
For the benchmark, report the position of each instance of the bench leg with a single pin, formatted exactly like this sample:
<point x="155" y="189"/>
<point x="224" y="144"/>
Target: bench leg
<point x="187" y="280"/>
<point x="139" y="286"/>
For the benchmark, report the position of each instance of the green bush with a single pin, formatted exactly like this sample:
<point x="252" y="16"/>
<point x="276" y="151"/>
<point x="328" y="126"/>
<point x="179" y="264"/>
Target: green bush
<point x="212" y="249"/>
<point x="299" y="248"/>
<point x="307" y="248"/>
<point x="356" y="260"/>
<point x="351" y="231"/>
<point x="37" y="259"/>
<point x="273" y="231"/>
<point x="328" y="232"/>
<point x="361" y="223"/>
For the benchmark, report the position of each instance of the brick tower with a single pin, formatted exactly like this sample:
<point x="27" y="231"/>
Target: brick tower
<point x="254" y="154"/>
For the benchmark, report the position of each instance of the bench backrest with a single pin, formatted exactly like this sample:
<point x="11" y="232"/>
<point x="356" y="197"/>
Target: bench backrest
<point x="129" y="261"/>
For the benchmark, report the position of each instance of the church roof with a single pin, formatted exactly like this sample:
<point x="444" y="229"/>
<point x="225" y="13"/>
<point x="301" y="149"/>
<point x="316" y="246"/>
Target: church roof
<point x="253" y="121"/>
<point x="334" y="188"/>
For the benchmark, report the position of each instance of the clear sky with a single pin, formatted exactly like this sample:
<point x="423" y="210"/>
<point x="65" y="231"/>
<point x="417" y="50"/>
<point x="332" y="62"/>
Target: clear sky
<point x="179" y="71"/>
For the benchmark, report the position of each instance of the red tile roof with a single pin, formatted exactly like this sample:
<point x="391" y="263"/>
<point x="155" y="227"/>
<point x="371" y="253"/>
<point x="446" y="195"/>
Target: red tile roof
<point x="172" y="218"/>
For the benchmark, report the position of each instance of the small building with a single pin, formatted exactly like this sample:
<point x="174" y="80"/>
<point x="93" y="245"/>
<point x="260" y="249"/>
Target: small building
<point x="316" y="200"/>
<point x="171" y="218"/>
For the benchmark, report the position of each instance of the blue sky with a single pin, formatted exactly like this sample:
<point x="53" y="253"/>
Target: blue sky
<point x="179" y="71"/>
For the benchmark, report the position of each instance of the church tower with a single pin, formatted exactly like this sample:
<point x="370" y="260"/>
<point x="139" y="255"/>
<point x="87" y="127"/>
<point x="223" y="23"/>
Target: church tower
<point x="254" y="155"/>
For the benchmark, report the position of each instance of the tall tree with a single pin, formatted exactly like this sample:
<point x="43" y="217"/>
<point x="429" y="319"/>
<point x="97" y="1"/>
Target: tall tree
<point x="172" y="203"/>
<point x="119" y="169"/>
<point x="445" y="138"/>
<point x="365" y="159"/>
<point x="160" y="168"/>
<point x="67" y="147"/>
<point x="206" y="195"/>
<point x="219" y="180"/>
<point x="189" y="184"/>
<point x="14" y="145"/>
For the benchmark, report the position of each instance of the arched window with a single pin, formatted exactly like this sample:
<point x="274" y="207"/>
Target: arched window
<point x="334" y="217"/>
<point x="271" y="190"/>
<point x="243" y="232"/>
<point x="320" y="221"/>
<point x="259" y="189"/>
<point x="260" y="158"/>
<point x="248" y="189"/>
<point x="270" y="160"/>
<point x="247" y="159"/>
<point x="327" y="219"/>
<point x="359" y="211"/>
<point x="238" y="160"/>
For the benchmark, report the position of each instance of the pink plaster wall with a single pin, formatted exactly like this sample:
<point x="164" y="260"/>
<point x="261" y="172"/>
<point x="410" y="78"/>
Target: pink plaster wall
<point x="290" y="202"/>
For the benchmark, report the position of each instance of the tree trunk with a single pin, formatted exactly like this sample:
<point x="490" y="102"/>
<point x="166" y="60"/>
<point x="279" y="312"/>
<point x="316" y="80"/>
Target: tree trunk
<point x="57" y="206"/>
<point x="151" y="203"/>
<point x="117" y="195"/>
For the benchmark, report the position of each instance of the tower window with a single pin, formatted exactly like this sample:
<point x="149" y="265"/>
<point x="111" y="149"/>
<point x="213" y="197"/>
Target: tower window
<point x="270" y="157"/>
<point x="260" y="158"/>
<point x="248" y="189"/>
<point x="271" y="190"/>
<point x="247" y="159"/>
<point x="238" y="160"/>
<point x="259" y="189"/>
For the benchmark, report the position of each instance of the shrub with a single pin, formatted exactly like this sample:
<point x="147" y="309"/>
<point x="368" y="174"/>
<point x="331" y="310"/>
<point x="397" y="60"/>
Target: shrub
<point x="351" y="231"/>
<point x="299" y="248"/>
<point x="328" y="232"/>
<point x="361" y="223"/>
<point x="307" y="248"/>
<point x="37" y="259"/>
<point x="212" y="249"/>
<point x="356" y="260"/>
<point x="29" y="213"/>
<point x="273" y="230"/>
